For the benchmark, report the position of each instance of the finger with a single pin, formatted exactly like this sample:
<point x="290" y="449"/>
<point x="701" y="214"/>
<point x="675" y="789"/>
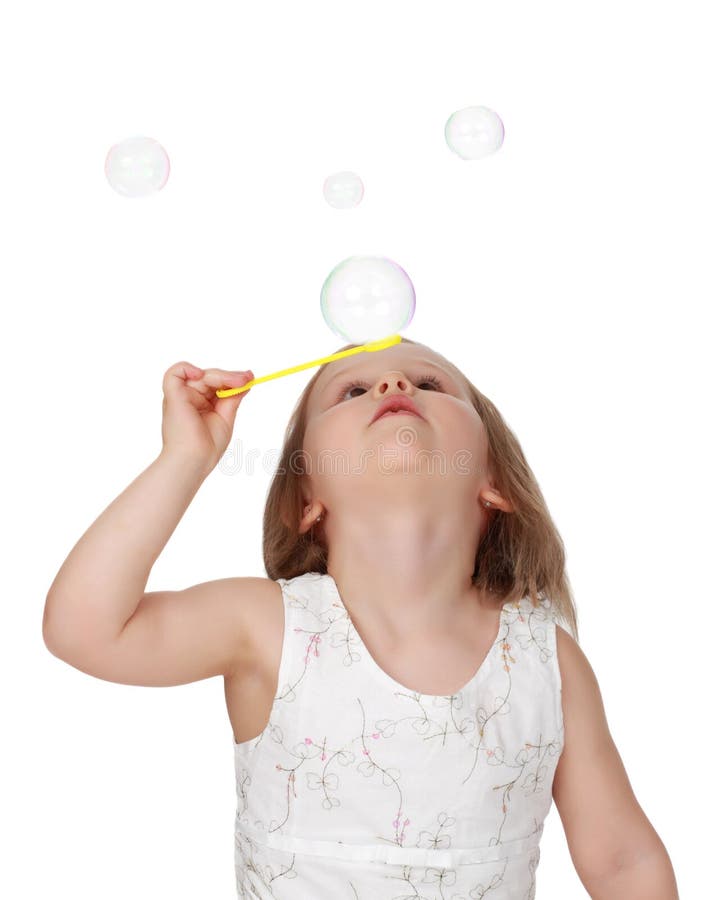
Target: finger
<point x="217" y="377"/>
<point x="236" y="382"/>
<point x="179" y="373"/>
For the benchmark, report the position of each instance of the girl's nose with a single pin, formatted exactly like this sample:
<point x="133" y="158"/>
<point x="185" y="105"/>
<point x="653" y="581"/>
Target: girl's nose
<point x="392" y="381"/>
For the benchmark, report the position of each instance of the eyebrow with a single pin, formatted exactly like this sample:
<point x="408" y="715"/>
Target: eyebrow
<point x="349" y="369"/>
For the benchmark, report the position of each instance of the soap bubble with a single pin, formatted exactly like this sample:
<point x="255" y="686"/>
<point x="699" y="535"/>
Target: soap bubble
<point x="343" y="190"/>
<point x="474" y="132"/>
<point x="137" y="167"/>
<point x="367" y="298"/>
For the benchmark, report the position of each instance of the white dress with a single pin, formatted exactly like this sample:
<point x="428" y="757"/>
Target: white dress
<point x="362" y="789"/>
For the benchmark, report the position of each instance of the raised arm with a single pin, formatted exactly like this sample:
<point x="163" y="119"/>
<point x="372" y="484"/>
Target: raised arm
<point x="101" y="583"/>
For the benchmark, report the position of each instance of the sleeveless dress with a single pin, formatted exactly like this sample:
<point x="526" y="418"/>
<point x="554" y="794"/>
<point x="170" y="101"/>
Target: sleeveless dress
<point x="362" y="789"/>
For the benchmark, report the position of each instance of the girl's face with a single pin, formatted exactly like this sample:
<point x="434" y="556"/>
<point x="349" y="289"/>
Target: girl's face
<point x="341" y="437"/>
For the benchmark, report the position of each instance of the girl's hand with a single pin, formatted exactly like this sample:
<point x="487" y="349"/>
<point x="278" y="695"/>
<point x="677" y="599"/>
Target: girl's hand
<point x="197" y="424"/>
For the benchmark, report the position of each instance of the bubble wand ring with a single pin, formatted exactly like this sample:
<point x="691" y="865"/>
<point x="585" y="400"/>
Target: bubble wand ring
<point x="371" y="346"/>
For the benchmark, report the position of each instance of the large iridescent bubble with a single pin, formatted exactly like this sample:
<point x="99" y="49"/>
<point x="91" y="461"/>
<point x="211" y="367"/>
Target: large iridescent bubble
<point x="367" y="298"/>
<point x="136" y="167"/>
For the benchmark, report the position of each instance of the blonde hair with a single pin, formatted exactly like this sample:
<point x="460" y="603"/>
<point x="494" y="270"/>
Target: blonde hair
<point x="520" y="554"/>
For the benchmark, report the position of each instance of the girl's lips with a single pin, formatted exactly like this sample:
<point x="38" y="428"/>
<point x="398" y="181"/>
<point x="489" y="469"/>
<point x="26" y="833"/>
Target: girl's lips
<point x="399" y="412"/>
<point x="395" y="404"/>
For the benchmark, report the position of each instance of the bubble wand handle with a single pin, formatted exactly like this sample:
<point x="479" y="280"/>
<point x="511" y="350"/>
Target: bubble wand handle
<point x="370" y="346"/>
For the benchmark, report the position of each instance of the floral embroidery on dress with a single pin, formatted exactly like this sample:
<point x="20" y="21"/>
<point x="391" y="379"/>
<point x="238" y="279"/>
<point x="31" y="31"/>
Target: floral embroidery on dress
<point x="360" y="788"/>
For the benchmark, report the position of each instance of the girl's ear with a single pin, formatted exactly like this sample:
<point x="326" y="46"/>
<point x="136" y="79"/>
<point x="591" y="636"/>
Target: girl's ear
<point x="496" y="500"/>
<point x="312" y="512"/>
<point x="307" y="519"/>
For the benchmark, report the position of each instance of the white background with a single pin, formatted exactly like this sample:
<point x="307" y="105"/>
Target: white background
<point x="561" y="274"/>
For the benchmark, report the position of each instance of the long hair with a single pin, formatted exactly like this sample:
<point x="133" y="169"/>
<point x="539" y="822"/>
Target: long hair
<point x="520" y="554"/>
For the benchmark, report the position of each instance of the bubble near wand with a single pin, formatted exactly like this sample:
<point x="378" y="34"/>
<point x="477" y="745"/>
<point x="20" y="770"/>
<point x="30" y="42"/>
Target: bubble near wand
<point x="370" y="347"/>
<point x="364" y="299"/>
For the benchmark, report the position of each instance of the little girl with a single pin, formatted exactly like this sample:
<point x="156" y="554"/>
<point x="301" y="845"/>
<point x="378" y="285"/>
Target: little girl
<point x="394" y="684"/>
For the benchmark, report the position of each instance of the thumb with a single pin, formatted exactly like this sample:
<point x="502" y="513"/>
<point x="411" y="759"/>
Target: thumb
<point x="235" y="379"/>
<point x="227" y="406"/>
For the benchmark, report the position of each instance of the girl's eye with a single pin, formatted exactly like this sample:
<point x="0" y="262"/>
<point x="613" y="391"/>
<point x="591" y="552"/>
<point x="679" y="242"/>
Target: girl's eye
<point x="424" y="379"/>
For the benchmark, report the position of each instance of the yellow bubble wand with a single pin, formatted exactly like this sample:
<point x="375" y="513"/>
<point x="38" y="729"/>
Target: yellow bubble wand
<point x="371" y="346"/>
